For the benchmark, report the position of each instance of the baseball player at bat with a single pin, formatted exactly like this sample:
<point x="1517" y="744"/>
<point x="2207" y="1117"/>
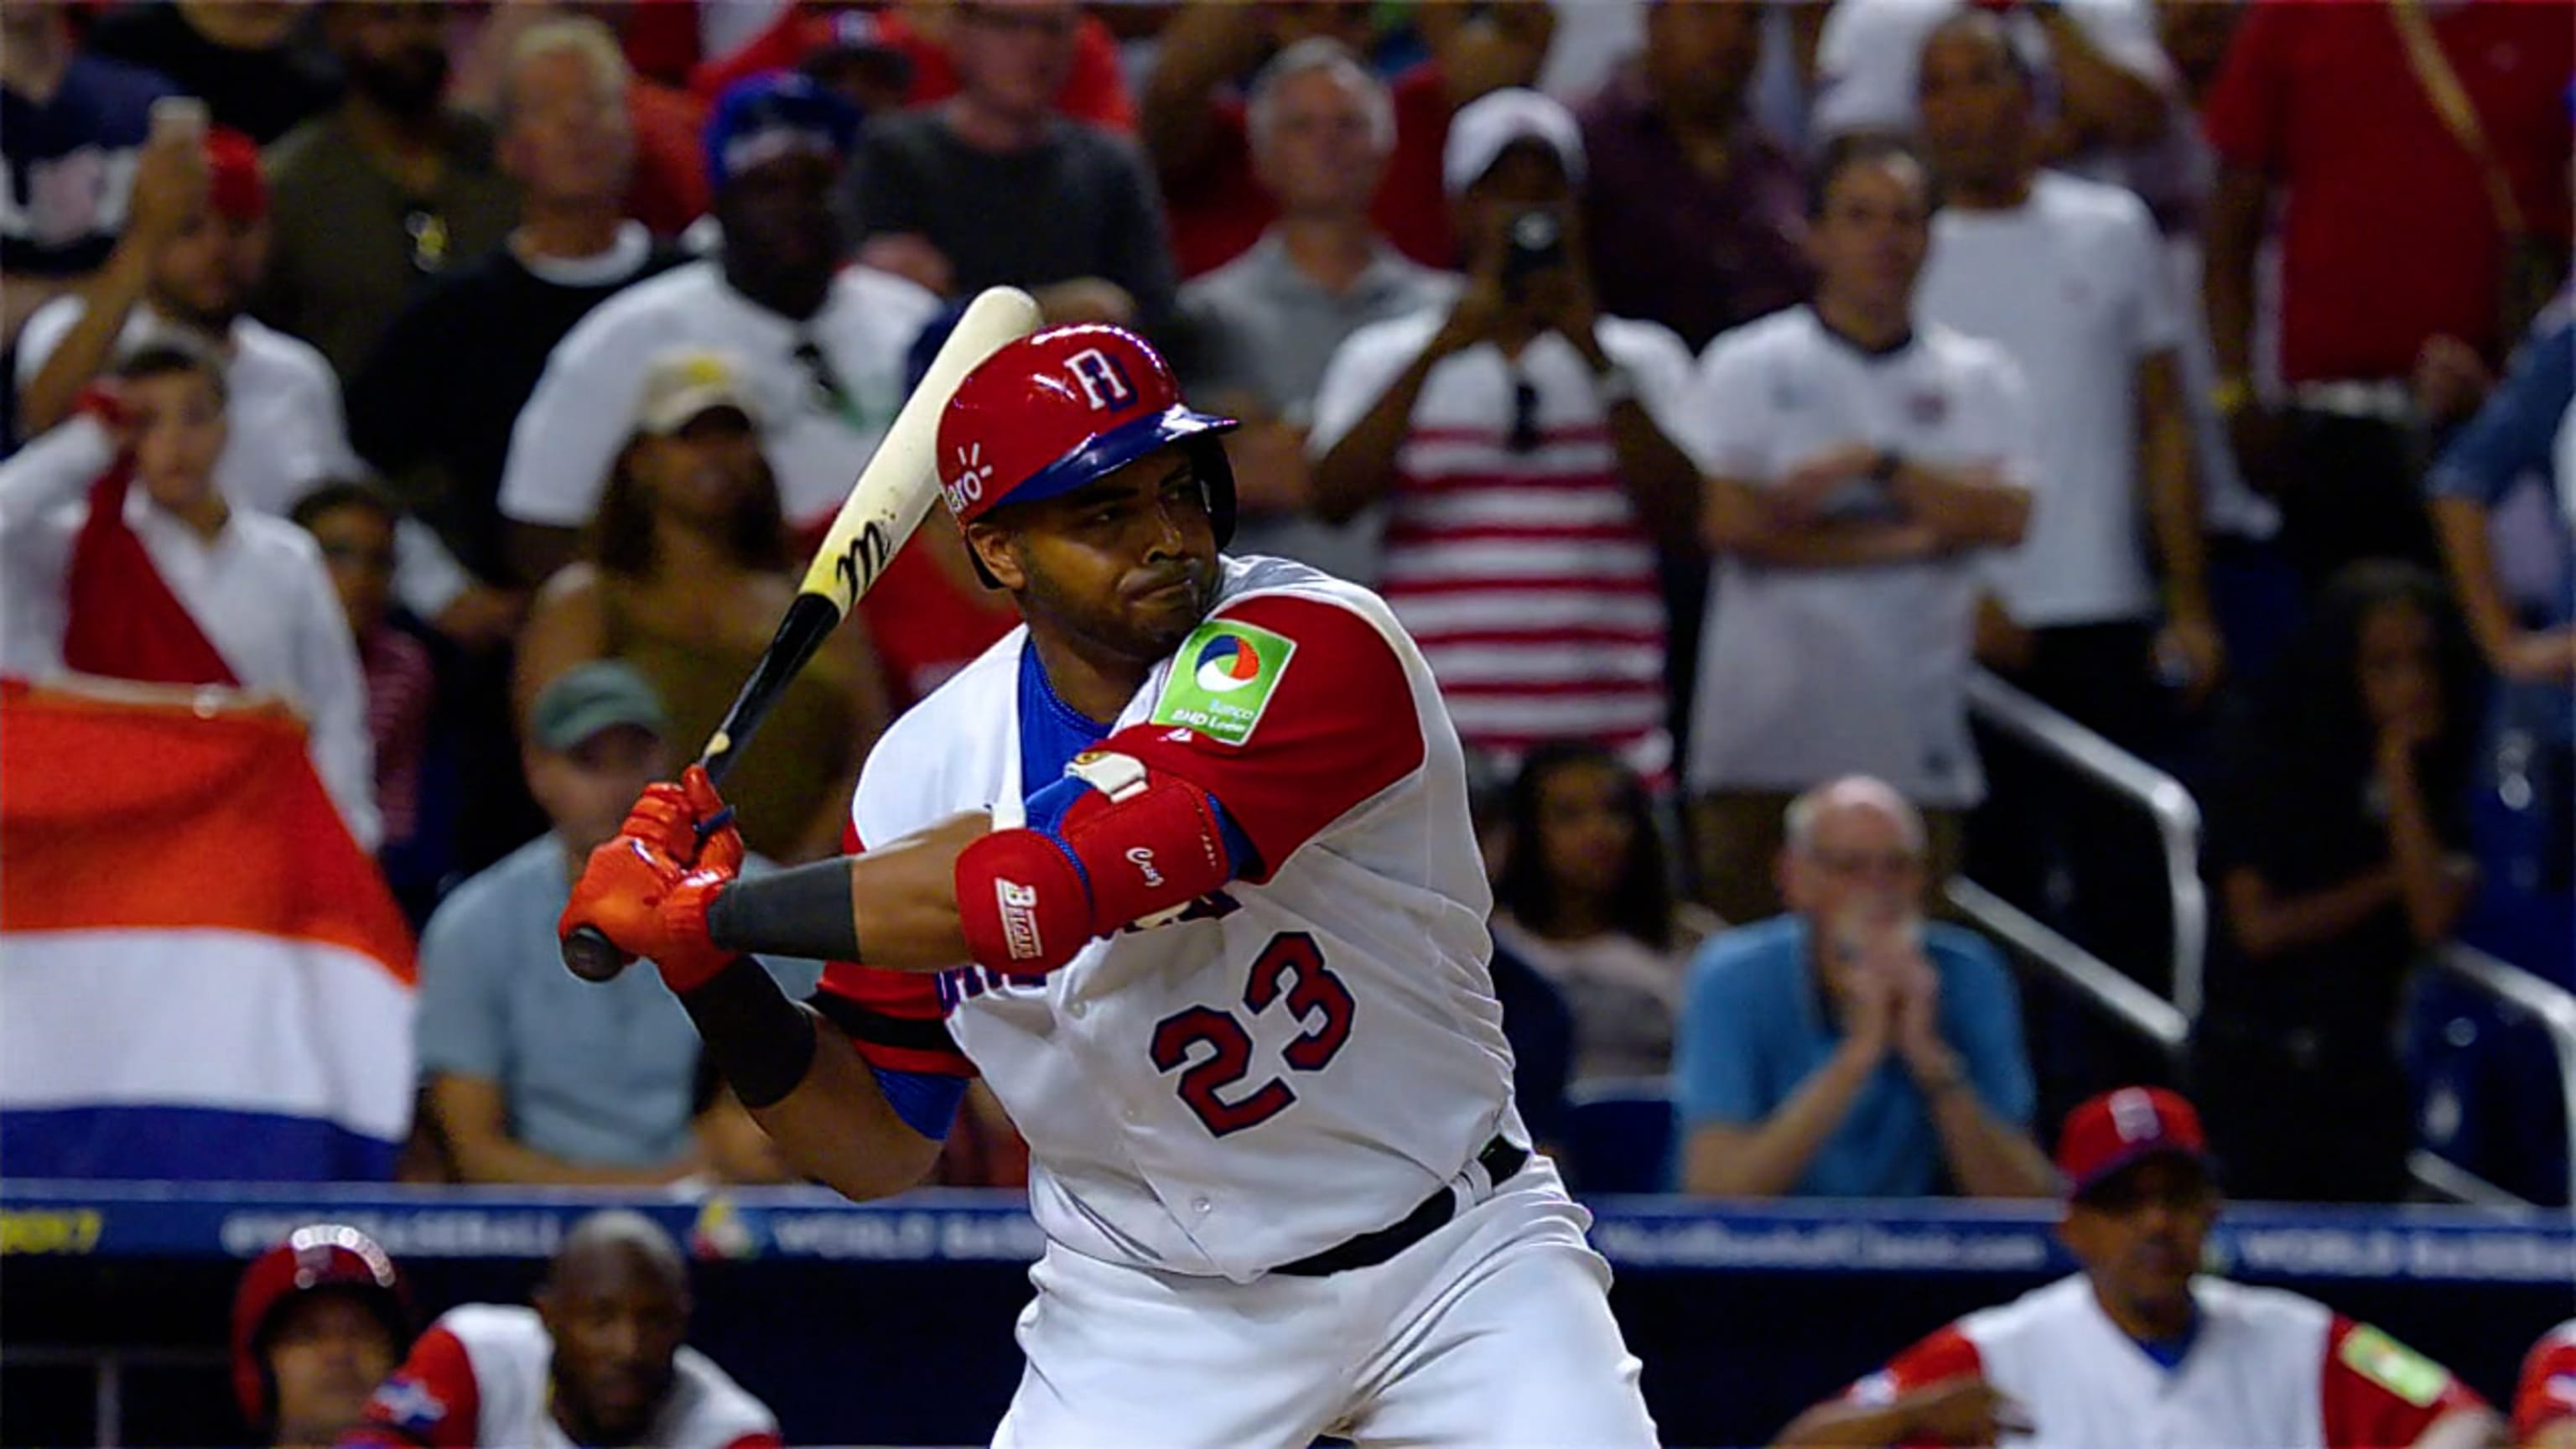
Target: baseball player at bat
<point x="1182" y="867"/>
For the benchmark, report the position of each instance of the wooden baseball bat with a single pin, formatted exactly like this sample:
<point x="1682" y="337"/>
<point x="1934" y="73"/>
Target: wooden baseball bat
<point x="887" y="502"/>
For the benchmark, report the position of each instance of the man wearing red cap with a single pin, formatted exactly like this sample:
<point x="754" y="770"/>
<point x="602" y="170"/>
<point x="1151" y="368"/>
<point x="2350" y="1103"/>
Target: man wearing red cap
<point x="318" y="1321"/>
<point x="2139" y="1348"/>
<point x="1184" y="870"/>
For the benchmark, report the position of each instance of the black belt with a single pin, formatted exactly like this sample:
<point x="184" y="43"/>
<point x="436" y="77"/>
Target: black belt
<point x="1500" y="1159"/>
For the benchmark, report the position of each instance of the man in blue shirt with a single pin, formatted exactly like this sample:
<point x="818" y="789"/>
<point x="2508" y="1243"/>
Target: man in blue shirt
<point x="1849" y="1049"/>
<point x="72" y="128"/>
<point x="533" y="1075"/>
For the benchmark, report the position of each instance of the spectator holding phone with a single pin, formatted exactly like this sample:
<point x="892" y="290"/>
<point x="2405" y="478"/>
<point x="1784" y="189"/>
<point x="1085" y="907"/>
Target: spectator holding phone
<point x="1523" y="443"/>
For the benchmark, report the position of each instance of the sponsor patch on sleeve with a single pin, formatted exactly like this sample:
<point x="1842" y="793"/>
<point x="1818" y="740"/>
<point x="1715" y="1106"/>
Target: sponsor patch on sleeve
<point x="2393" y="1366"/>
<point x="1222" y="679"/>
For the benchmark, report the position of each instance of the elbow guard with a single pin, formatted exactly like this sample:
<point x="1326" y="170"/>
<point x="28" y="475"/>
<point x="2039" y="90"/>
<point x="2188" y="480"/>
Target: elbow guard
<point x="1110" y="845"/>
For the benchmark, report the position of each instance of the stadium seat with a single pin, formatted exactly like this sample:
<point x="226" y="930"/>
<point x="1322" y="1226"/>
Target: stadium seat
<point x="1619" y="1135"/>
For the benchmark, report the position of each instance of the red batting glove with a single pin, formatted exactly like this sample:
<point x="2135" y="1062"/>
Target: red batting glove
<point x="640" y="890"/>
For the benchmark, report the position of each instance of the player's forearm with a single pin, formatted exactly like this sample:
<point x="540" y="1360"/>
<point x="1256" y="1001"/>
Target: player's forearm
<point x="837" y="1127"/>
<point x="1836" y="1423"/>
<point x="894" y="907"/>
<point x="21" y="295"/>
<point x="107" y="299"/>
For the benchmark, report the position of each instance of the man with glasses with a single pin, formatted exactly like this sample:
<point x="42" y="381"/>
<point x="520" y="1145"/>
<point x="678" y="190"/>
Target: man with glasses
<point x="1523" y="443"/>
<point x="822" y="346"/>
<point x="1850" y="1048"/>
<point x="389" y="187"/>
<point x="2140" y="1348"/>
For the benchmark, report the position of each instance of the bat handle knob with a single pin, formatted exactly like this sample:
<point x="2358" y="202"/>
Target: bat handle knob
<point x="590" y="955"/>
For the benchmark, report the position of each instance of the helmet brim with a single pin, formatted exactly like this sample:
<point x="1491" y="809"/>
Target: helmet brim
<point x="1101" y="454"/>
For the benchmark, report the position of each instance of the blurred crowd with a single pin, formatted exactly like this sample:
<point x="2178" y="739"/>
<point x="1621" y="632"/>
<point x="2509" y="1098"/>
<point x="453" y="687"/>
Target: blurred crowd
<point x="1711" y="388"/>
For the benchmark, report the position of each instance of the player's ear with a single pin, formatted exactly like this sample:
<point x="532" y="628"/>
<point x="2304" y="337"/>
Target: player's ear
<point x="994" y="548"/>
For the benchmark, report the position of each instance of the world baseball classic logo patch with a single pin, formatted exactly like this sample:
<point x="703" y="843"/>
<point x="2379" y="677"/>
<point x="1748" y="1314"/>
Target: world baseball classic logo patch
<point x="1222" y="679"/>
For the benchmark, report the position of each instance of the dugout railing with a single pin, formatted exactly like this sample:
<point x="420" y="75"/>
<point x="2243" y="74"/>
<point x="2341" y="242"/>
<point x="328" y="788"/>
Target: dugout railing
<point x="2163" y="1021"/>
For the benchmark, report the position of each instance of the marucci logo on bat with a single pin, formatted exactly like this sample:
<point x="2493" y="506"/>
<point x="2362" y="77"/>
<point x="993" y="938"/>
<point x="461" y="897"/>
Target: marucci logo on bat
<point x="865" y="558"/>
<point x="1019" y="905"/>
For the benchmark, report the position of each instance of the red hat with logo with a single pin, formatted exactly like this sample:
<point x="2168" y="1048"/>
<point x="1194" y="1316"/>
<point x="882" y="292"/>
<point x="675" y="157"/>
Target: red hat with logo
<point x="312" y="1259"/>
<point x="1061" y="409"/>
<point x="2121" y="1128"/>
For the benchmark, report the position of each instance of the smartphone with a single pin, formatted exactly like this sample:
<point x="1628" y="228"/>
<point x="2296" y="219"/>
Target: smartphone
<point x="1533" y="242"/>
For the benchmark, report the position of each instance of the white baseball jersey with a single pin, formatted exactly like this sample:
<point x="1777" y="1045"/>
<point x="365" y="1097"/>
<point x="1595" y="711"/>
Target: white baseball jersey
<point x="1303" y="1056"/>
<point x="2264" y="1367"/>
<point x="483" y="1374"/>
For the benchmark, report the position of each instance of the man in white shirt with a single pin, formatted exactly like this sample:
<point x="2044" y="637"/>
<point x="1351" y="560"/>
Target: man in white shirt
<point x="2068" y="276"/>
<point x="822" y="346"/>
<point x="189" y="256"/>
<point x="254" y="586"/>
<point x="1523" y="444"/>
<point x="1861" y="468"/>
<point x="2140" y="1348"/>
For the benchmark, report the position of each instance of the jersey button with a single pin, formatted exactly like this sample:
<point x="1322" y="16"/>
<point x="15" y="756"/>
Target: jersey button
<point x="1077" y="1009"/>
<point x="1201" y="1205"/>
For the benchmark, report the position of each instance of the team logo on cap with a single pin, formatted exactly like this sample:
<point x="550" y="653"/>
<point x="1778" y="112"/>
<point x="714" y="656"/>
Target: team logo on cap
<point x="1228" y="663"/>
<point x="1103" y="379"/>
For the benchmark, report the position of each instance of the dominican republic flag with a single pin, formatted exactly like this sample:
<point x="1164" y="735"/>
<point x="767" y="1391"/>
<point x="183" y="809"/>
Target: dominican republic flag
<point x="201" y="974"/>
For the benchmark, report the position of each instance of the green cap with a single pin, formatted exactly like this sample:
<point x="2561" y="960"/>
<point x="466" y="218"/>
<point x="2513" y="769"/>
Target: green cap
<point x="588" y="698"/>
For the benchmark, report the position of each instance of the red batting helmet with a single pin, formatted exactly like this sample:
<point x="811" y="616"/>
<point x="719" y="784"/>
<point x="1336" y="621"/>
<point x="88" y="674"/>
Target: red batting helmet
<point x="1053" y="411"/>
<point x="324" y="1255"/>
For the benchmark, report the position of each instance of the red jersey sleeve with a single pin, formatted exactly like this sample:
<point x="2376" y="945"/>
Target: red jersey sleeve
<point x="430" y="1401"/>
<point x="2546" y="1393"/>
<point x="894" y="1018"/>
<point x="1942" y="1355"/>
<point x="1289" y="711"/>
<point x="2377" y="1391"/>
<point x="2245" y="114"/>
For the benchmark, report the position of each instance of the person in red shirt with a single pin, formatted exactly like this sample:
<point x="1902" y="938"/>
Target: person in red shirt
<point x="1202" y="149"/>
<point x="1094" y="90"/>
<point x="2139" y="1348"/>
<point x="2544" y="1402"/>
<point x="2394" y="241"/>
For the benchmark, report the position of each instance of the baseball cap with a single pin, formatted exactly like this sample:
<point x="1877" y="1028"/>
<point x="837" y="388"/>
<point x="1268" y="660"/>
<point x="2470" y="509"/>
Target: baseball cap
<point x="2123" y="1127"/>
<point x="859" y="39"/>
<point x="684" y="385"/>
<point x="236" y="188"/>
<point x="764" y="117"/>
<point x="1493" y="123"/>
<point x="589" y="698"/>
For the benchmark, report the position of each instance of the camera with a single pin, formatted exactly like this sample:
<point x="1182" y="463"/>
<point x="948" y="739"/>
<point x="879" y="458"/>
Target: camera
<point x="1533" y="242"/>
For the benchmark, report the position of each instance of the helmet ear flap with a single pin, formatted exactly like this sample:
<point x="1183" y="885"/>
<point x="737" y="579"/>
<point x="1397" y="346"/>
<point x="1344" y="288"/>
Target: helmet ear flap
<point x="1216" y="475"/>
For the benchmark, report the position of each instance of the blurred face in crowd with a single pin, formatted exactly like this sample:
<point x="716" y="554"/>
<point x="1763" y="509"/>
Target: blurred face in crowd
<point x="1012" y="56"/>
<point x="1126" y="565"/>
<point x="701" y="473"/>
<point x="2140" y="1234"/>
<point x="177" y="424"/>
<point x="1586" y="830"/>
<point x="780" y="233"/>
<point x="1316" y="148"/>
<point x="1860" y="867"/>
<point x="395" y="52"/>
<point x="357" y="543"/>
<point x="1868" y="239"/>
<point x="2398" y="659"/>
<point x="587" y="789"/>
<point x="567" y="140"/>
<point x="326" y="1354"/>
<point x="203" y="275"/>
<point x="616" y="1314"/>
<point x="1700" y="57"/>
<point x="1976" y="104"/>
